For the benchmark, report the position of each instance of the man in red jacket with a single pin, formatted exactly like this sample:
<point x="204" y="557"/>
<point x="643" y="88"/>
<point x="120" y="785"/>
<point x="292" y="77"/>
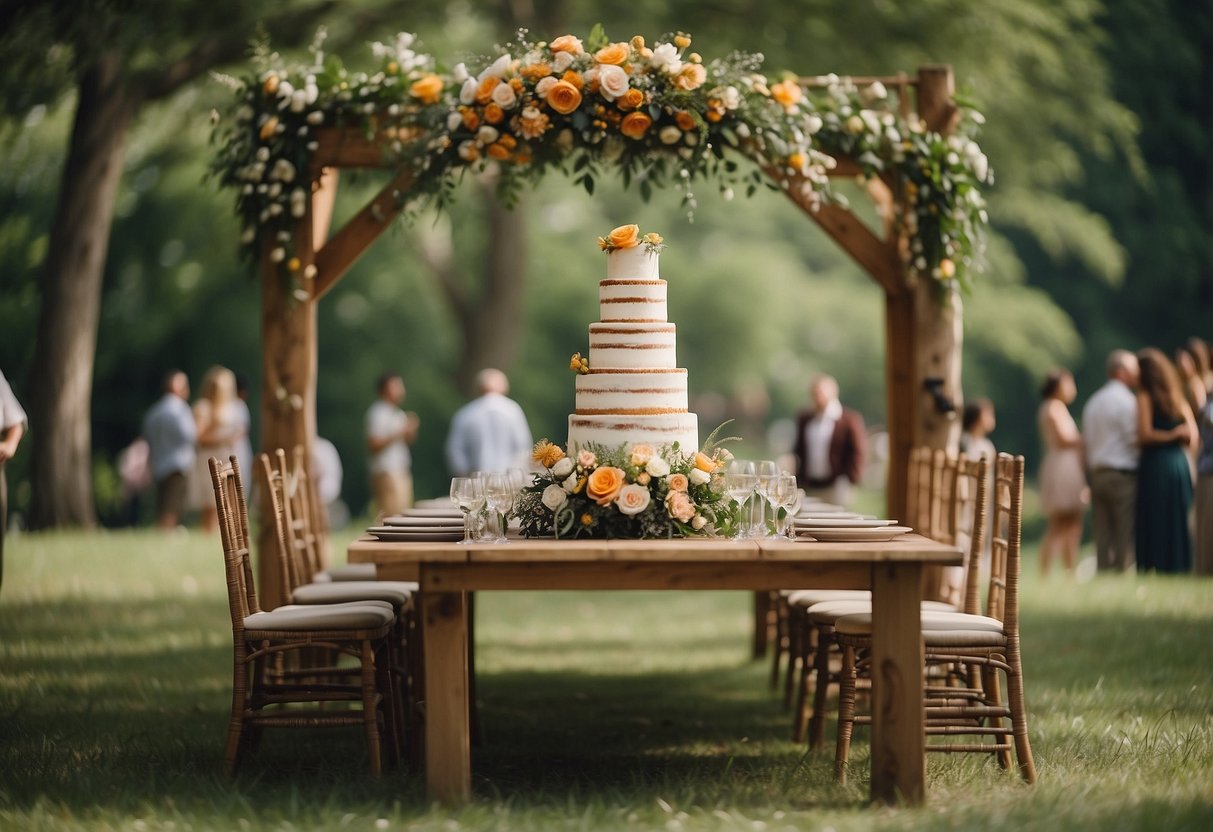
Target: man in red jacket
<point x="830" y="445"/>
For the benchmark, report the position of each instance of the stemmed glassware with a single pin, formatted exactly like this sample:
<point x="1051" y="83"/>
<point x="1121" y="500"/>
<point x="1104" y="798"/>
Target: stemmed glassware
<point x="499" y="493"/>
<point x="740" y="481"/>
<point x="468" y="494"/>
<point x="768" y="474"/>
<point x="787" y="497"/>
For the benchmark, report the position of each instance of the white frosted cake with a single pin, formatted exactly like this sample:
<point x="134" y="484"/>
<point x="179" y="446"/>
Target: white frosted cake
<point x="633" y="391"/>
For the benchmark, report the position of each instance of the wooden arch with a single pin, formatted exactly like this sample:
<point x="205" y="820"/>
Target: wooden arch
<point x="922" y="330"/>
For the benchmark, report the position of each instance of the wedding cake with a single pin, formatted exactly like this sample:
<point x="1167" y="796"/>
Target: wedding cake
<point x="630" y="390"/>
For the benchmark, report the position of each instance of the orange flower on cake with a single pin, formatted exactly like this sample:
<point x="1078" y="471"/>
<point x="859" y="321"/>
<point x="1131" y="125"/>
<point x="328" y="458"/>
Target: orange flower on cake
<point x="680" y="507"/>
<point x="632" y="499"/>
<point x="563" y="97"/>
<point x="605" y="484"/>
<point x="427" y="89"/>
<point x="625" y="236"/>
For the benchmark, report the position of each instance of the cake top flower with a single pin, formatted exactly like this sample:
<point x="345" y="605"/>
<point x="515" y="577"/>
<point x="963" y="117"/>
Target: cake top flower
<point x="629" y="236"/>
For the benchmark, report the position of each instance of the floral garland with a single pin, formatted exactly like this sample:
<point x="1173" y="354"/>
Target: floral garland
<point x="660" y="115"/>
<point x="635" y="491"/>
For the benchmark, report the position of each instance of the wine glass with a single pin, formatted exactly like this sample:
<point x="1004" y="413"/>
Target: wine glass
<point x="768" y="475"/>
<point x="740" y="482"/>
<point x="499" y="494"/>
<point x="787" y="494"/>
<point x="468" y="494"/>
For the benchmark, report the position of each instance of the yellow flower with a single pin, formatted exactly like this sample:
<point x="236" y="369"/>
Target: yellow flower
<point x="603" y="244"/>
<point x="546" y="453"/>
<point x="635" y="125"/>
<point x="567" y="43"/>
<point x="427" y="89"/>
<point x="294" y="265"/>
<point x="704" y="462"/>
<point x="690" y="77"/>
<point x="947" y="269"/>
<point x="797" y="162"/>
<point x="575" y="361"/>
<point x="625" y="236"/>
<point x="586" y="519"/>
<point x="641" y="454"/>
<point x="615" y="53"/>
<point x="682" y="41"/>
<point x="638" y="42"/>
<point x="392" y="68"/>
<point x="563" y="97"/>
<point x="787" y="93"/>
<point x="652" y="239"/>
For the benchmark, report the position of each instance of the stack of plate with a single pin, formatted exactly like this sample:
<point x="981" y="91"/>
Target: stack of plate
<point x="421" y="525"/>
<point x="847" y="528"/>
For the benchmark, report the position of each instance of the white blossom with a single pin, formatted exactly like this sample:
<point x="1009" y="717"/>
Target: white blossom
<point x="554" y="497"/>
<point x="665" y="56"/>
<point x="562" y="61"/>
<point x="460" y="73"/>
<point x="670" y="134"/>
<point x="467" y="93"/>
<point x="657" y="467"/>
<point x="699" y="477"/>
<point x="504" y="96"/>
<point x="612" y="81"/>
<point x="487" y="134"/>
<point x="563" y="467"/>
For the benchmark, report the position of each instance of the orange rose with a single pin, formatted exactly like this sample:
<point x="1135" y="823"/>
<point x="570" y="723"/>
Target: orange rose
<point x="630" y="100"/>
<point x="574" y="78"/>
<point x="690" y="77"/>
<point x="704" y="462"/>
<point x="484" y="92"/>
<point x="470" y="120"/>
<point x="635" y="125"/>
<point x="678" y="482"/>
<point x="567" y="43"/>
<point x="493" y="114"/>
<point x="497" y="151"/>
<point x="604" y="485"/>
<point x="625" y="236"/>
<point x="533" y="72"/>
<point x="787" y="93"/>
<point x="564" y="98"/>
<point x="714" y="116"/>
<point x="427" y="89"/>
<point x="507" y="141"/>
<point x="684" y="120"/>
<point x="614" y="53"/>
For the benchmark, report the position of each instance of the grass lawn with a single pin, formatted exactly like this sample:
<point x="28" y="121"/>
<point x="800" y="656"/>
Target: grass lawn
<point x="601" y="711"/>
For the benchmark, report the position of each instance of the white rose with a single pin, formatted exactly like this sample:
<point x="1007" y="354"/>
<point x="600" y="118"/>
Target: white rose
<point x="554" y="497"/>
<point x="504" y="96"/>
<point x="731" y="98"/>
<point x="699" y="477"/>
<point x="670" y="134"/>
<point x="467" y="93"/>
<point x="487" y="134"/>
<point x="499" y="68"/>
<point x="453" y="121"/>
<point x="698" y="522"/>
<point x="657" y="467"/>
<point x="612" y="81"/>
<point x="545" y="84"/>
<point x="460" y="73"/>
<point x="298" y="101"/>
<point x="570" y="483"/>
<point x="664" y="54"/>
<point x="632" y="499"/>
<point x="563" y="467"/>
<point x="875" y="92"/>
<point x="561" y="62"/>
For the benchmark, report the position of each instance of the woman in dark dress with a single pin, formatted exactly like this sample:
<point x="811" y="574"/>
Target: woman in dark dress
<point x="1166" y="431"/>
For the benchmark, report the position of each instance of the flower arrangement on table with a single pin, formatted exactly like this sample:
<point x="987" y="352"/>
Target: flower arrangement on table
<point x="659" y="114"/>
<point x="632" y="491"/>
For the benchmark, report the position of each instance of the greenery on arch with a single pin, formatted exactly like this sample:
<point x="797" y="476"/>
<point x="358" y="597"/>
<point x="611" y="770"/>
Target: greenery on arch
<point x="659" y="116"/>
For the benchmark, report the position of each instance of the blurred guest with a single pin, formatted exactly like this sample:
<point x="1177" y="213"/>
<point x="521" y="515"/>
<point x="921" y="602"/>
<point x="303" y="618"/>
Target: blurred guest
<point x="244" y="420"/>
<point x="219" y="425"/>
<point x="13" y="423"/>
<point x="830" y="445"/>
<point x="489" y="433"/>
<point x="1191" y="379"/>
<point x="171" y="436"/>
<point x="1201" y="354"/>
<point x="1166" y="430"/>
<point x="1203" y="560"/>
<point x="1109" y="425"/>
<point x="327" y="473"/>
<point x="135" y="475"/>
<point x="1063" y="482"/>
<point x="976" y="426"/>
<point x="389" y="432"/>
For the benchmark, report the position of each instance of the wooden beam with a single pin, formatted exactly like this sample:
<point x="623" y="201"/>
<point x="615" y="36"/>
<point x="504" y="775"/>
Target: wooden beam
<point x="877" y="257"/>
<point x="348" y="147"/>
<point x="347" y="245"/>
<point x="324" y="200"/>
<point x="936" y="108"/>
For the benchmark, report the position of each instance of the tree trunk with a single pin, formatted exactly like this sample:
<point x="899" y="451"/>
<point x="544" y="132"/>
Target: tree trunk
<point x="66" y="344"/>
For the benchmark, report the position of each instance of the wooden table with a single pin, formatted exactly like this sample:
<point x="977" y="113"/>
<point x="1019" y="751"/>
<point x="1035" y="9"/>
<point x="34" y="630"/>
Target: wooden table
<point x="447" y="572"/>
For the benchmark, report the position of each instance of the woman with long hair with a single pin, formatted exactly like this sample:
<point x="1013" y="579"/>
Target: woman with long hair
<point x="1191" y="378"/>
<point x="1063" y="482"/>
<point x="219" y="429"/>
<point x="1166" y="432"/>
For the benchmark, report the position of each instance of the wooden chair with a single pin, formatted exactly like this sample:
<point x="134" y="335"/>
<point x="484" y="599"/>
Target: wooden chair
<point x="989" y="642"/>
<point x="261" y="699"/>
<point x="963" y="483"/>
<point x="310" y="525"/>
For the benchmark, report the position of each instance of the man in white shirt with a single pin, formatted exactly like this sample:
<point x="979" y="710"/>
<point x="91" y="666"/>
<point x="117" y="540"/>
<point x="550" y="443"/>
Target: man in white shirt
<point x="830" y="446"/>
<point x="489" y="433"/>
<point x="389" y="432"/>
<point x="13" y="423"/>
<point x="1109" y="432"/>
<point x="171" y="435"/>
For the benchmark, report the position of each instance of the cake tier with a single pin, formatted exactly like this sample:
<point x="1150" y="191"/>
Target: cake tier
<point x="631" y="300"/>
<point x="633" y="346"/>
<point x="643" y="392"/>
<point x="636" y="263"/>
<point x="655" y="430"/>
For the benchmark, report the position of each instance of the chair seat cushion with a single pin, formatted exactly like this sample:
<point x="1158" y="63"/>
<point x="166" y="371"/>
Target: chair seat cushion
<point x="809" y="597"/>
<point x="860" y="623"/>
<point x="337" y="617"/>
<point x="828" y="611"/>
<point x="963" y="638"/>
<point x="346" y="572"/>
<point x="384" y="605"/>
<point x="396" y="593"/>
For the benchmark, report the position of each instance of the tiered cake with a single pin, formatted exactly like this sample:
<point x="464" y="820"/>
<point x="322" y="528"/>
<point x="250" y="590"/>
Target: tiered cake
<point x="633" y="392"/>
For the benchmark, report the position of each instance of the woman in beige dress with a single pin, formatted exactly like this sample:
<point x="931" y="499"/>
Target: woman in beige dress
<point x="219" y="429"/>
<point x="1063" y="482"/>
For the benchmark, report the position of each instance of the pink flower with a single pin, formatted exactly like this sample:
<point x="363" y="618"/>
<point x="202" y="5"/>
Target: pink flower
<point x="586" y="458"/>
<point x="680" y="507"/>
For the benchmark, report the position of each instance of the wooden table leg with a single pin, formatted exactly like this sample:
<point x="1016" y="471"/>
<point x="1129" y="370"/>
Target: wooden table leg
<point x="762" y="611"/>
<point x="448" y="755"/>
<point x="898" y="743"/>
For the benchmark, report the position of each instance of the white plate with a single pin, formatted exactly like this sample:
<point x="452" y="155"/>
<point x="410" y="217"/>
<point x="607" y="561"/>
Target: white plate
<point x="432" y="522"/>
<point x="877" y="535"/>
<point x="396" y="535"/>
<point x="448" y="510"/>
<point x="843" y="523"/>
<point x="828" y="515"/>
